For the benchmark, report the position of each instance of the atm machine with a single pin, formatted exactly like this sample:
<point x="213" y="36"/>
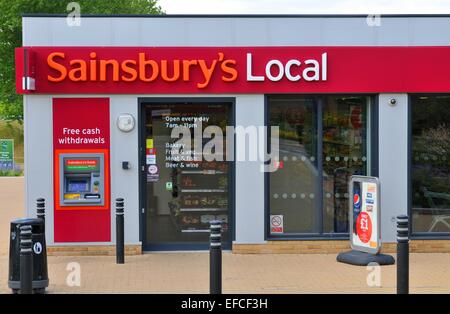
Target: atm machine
<point x="82" y="179"/>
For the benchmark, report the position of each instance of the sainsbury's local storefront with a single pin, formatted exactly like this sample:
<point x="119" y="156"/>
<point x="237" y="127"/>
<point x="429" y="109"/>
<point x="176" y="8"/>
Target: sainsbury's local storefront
<point x="349" y="97"/>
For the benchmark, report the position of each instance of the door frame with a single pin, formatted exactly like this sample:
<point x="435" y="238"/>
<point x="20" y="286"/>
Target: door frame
<point x="146" y="246"/>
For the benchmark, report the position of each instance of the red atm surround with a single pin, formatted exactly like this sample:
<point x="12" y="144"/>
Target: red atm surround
<point x="81" y="223"/>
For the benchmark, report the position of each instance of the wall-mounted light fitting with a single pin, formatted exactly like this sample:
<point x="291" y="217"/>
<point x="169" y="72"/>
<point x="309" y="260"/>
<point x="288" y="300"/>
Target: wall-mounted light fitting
<point x="125" y="122"/>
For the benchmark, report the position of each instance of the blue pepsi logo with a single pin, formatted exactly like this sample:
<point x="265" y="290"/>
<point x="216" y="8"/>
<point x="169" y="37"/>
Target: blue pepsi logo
<point x="356" y="200"/>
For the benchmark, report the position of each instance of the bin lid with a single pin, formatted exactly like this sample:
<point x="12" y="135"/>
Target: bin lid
<point x="27" y="221"/>
<point x="37" y="224"/>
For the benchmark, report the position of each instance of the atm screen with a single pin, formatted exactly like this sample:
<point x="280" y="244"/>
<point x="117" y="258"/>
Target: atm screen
<point x="77" y="186"/>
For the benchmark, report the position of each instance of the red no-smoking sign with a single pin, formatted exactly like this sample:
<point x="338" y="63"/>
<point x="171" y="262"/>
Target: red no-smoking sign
<point x="276" y="224"/>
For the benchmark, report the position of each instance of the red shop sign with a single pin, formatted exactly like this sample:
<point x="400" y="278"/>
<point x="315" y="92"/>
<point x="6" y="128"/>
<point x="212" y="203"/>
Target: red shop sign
<point x="174" y="70"/>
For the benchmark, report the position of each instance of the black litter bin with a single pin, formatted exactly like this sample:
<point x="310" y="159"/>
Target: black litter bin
<point x="40" y="271"/>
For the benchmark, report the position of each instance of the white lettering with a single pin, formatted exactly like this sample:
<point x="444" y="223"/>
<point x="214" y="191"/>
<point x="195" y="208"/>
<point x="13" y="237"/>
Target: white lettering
<point x="288" y="72"/>
<point x="275" y="70"/>
<point x="314" y="69"/>
<point x="324" y="66"/>
<point x="250" y="76"/>
<point x="269" y="70"/>
<point x="193" y="304"/>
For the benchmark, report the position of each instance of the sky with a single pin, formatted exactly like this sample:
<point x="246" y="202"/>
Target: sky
<point x="305" y="6"/>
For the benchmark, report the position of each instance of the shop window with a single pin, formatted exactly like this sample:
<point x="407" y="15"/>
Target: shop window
<point x="322" y="142"/>
<point x="293" y="187"/>
<point x="430" y="164"/>
<point x="344" y="154"/>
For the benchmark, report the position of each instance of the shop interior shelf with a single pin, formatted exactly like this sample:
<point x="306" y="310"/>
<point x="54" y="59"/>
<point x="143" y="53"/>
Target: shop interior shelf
<point x="203" y="209"/>
<point x="202" y="172"/>
<point x="195" y="230"/>
<point x="203" y="191"/>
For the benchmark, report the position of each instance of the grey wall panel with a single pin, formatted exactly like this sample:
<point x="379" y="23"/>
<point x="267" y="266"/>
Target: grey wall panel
<point x="203" y="29"/>
<point x="335" y="32"/>
<point x="90" y="32"/>
<point x="393" y="162"/>
<point x="436" y="30"/>
<point x="392" y="33"/>
<point x="125" y="183"/>
<point x="249" y="177"/>
<point x="155" y="34"/>
<point x="38" y="166"/>
<point x="236" y="31"/>
<point x="251" y="32"/>
<point x="298" y="34"/>
<point x="123" y="34"/>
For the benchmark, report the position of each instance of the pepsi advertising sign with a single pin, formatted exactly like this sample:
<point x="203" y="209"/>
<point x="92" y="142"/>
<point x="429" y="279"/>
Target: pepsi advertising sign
<point x="365" y="231"/>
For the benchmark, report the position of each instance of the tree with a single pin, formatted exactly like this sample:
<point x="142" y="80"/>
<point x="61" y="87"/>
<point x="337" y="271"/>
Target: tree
<point x="11" y="36"/>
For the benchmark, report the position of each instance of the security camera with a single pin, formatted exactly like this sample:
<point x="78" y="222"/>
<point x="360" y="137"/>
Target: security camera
<point x="392" y="102"/>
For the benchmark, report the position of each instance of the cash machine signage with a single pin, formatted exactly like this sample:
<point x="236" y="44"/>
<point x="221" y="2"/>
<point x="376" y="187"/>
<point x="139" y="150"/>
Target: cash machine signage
<point x="81" y="169"/>
<point x="81" y="164"/>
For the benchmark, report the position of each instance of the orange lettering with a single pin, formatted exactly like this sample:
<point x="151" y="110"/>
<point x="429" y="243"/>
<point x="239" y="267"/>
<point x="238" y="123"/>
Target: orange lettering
<point x="207" y="72"/>
<point x="229" y="70"/>
<point x="81" y="69"/>
<point x="93" y="66"/>
<point x="129" y="70"/>
<point x="142" y="67"/>
<point x="103" y="68"/>
<point x="95" y="69"/>
<point x="176" y="71"/>
<point x="186" y="66"/>
<point x="56" y="66"/>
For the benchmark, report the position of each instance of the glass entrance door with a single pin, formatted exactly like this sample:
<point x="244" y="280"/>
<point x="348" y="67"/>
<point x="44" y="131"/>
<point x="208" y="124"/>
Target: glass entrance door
<point x="184" y="191"/>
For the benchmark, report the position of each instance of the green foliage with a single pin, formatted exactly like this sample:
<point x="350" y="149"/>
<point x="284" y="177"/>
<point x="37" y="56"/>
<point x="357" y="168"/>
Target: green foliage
<point x="11" y="173"/>
<point x="11" y="36"/>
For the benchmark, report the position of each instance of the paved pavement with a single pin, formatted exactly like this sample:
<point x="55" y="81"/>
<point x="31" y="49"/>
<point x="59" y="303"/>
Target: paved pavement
<point x="183" y="272"/>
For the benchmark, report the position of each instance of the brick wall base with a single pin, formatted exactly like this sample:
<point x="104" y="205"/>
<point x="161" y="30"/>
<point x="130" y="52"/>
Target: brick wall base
<point x="93" y="250"/>
<point x="271" y="247"/>
<point x="334" y="247"/>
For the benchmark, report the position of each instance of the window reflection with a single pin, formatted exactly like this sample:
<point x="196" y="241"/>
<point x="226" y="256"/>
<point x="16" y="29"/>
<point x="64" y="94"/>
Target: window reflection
<point x="344" y="155"/>
<point x="184" y="195"/>
<point x="293" y="185"/>
<point x="297" y="189"/>
<point x="430" y="163"/>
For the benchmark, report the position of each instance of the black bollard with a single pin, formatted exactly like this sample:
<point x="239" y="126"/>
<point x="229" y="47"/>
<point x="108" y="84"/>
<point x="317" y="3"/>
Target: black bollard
<point x="26" y="260"/>
<point x="215" y="258"/>
<point x="40" y="208"/>
<point x="402" y="255"/>
<point x="120" y="236"/>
